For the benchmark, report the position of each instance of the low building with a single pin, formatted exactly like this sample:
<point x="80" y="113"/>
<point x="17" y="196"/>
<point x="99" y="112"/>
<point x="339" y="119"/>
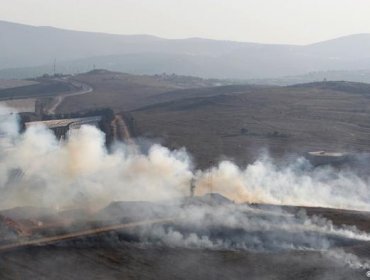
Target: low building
<point x="62" y="127"/>
<point x="327" y="158"/>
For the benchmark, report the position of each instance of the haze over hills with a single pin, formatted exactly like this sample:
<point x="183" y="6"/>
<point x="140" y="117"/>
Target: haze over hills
<point x="32" y="50"/>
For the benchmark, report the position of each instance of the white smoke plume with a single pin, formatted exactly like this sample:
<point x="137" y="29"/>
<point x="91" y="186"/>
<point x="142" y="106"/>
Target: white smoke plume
<point x="38" y="170"/>
<point x="80" y="170"/>
<point x="292" y="184"/>
<point x="240" y="227"/>
<point x="349" y="259"/>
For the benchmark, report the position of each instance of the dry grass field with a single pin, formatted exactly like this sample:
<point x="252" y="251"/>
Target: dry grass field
<point x="43" y="88"/>
<point x="124" y="92"/>
<point x="237" y="125"/>
<point x="135" y="262"/>
<point x="120" y="254"/>
<point x="21" y="105"/>
<point x="4" y="84"/>
<point x="235" y="122"/>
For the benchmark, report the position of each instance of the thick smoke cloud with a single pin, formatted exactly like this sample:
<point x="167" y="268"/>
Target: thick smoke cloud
<point x="36" y="169"/>
<point x="242" y="227"/>
<point x="292" y="184"/>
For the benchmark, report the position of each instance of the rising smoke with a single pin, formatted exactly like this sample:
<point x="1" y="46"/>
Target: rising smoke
<point x="292" y="184"/>
<point x="38" y="170"/>
<point x="80" y="170"/>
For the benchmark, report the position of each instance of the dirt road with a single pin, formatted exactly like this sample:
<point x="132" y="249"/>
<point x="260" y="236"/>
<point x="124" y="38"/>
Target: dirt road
<point x="85" y="88"/>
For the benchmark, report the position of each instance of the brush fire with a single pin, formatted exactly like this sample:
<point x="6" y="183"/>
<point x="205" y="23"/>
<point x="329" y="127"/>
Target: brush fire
<point x="75" y="192"/>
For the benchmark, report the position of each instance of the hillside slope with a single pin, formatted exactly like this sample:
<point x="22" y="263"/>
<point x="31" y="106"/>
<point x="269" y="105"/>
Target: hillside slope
<point x="28" y="46"/>
<point x="238" y="125"/>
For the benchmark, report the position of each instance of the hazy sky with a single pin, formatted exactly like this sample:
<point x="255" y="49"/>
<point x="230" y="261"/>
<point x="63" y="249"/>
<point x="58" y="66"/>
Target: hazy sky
<point x="267" y="21"/>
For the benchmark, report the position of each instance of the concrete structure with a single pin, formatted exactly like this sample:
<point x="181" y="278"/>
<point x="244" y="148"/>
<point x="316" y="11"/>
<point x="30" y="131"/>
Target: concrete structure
<point x="327" y="158"/>
<point x="63" y="126"/>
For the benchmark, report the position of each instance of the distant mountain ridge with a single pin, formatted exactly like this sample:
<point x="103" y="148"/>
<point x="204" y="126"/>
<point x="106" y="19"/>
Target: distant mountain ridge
<point x="30" y="50"/>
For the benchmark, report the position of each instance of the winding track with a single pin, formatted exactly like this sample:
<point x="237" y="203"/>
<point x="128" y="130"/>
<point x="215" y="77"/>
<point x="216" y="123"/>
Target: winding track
<point x="85" y="88"/>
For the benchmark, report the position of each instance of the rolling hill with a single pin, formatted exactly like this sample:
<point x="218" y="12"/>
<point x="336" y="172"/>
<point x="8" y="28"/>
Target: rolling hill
<point x="239" y="124"/>
<point x="215" y="120"/>
<point x="27" y="51"/>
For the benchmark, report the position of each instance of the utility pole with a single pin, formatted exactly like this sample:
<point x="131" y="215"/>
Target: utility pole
<point x="192" y="187"/>
<point x="210" y="179"/>
<point x="55" y="67"/>
<point x="210" y="184"/>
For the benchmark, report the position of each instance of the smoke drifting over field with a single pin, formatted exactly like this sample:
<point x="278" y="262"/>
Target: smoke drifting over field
<point x="81" y="171"/>
<point x="38" y="170"/>
<point x="239" y="227"/>
<point x="292" y="184"/>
